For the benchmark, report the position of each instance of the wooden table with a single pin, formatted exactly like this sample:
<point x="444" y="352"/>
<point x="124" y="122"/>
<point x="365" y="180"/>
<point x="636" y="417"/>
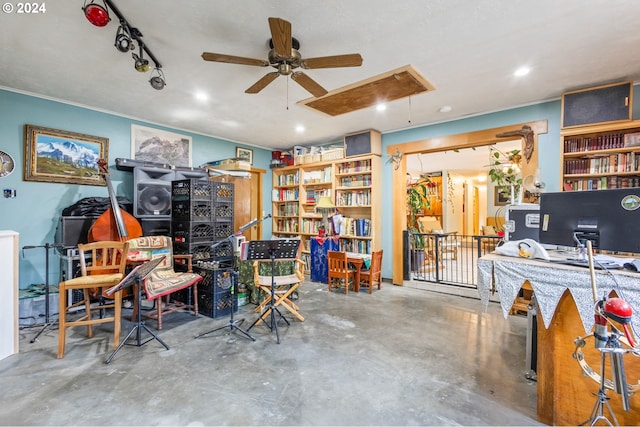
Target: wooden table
<point x="565" y="312"/>
<point x="358" y="260"/>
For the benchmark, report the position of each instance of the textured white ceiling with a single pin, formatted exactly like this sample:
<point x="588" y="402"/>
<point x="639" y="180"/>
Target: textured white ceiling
<point x="468" y="50"/>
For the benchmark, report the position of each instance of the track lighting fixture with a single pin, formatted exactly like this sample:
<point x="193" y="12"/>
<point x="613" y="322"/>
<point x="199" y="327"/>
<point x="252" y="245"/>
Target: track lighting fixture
<point x="141" y="64"/>
<point x="157" y="82"/>
<point x="96" y="14"/>
<point x="126" y="38"/>
<point x="124" y="43"/>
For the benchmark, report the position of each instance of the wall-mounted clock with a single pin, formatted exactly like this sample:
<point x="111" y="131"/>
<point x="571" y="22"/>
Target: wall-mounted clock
<point x="7" y="165"/>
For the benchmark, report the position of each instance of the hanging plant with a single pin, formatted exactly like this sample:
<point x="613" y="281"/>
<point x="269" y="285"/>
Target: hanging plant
<point x="451" y="193"/>
<point x="504" y="170"/>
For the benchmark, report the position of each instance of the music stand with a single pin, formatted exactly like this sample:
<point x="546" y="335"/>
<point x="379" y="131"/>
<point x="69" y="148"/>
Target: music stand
<point x="136" y="276"/>
<point x="272" y="249"/>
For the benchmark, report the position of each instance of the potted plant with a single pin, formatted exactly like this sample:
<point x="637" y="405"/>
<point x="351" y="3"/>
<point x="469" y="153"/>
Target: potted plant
<point x="504" y="171"/>
<point x="417" y="203"/>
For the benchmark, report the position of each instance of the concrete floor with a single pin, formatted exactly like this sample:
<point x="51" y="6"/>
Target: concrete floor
<point x="402" y="356"/>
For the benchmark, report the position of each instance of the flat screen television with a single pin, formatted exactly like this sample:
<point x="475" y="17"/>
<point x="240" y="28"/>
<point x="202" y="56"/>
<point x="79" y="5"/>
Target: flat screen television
<point x="610" y="219"/>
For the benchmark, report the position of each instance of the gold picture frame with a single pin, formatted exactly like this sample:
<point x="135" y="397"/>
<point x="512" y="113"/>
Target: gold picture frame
<point x="63" y="157"/>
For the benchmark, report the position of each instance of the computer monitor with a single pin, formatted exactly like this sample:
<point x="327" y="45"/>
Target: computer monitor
<point x="610" y="219"/>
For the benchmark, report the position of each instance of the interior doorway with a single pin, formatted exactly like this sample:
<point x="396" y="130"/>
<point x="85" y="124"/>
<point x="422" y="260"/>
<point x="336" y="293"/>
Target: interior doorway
<point x="399" y="154"/>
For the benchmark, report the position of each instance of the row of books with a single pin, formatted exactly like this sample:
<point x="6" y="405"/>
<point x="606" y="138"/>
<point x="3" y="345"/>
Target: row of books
<point x="317" y="177"/>
<point x="354" y="167"/>
<point x="310" y="225"/>
<point x="356" y="181"/>
<point x="353" y="198"/>
<point x="621" y="162"/>
<point x="314" y="195"/>
<point x="284" y="194"/>
<point x="358" y="246"/>
<point x="602" y="183"/>
<point x="600" y="142"/>
<point x="289" y="179"/>
<point x="288" y="209"/>
<point x="287" y="225"/>
<point x="360" y="227"/>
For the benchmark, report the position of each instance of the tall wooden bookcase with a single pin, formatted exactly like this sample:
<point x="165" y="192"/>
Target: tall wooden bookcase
<point x="601" y="156"/>
<point x="354" y="187"/>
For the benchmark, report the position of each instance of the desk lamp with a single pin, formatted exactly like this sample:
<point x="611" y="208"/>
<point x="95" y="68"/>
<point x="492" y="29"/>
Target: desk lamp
<point x="325" y="206"/>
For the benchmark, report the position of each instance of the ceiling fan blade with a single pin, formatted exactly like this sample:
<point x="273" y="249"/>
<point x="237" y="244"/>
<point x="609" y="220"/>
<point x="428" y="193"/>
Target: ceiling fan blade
<point x="262" y="83"/>
<point x="309" y="84"/>
<point x="349" y="60"/>
<point x="230" y="59"/>
<point x="281" y="36"/>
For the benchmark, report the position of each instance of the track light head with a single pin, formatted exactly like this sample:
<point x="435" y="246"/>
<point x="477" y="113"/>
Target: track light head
<point x="124" y="43"/>
<point x="141" y="64"/>
<point x="96" y="14"/>
<point x="157" y="82"/>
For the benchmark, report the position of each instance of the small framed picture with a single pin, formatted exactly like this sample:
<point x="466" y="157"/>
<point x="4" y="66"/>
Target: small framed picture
<point x="632" y="139"/>
<point x="501" y="195"/>
<point x="245" y="154"/>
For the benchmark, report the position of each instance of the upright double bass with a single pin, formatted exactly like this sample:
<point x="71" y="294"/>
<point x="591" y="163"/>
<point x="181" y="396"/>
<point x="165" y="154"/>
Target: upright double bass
<point x="113" y="224"/>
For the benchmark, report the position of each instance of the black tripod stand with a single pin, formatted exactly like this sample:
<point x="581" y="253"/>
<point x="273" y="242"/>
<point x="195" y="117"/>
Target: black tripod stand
<point x="234" y="325"/>
<point x="136" y="276"/>
<point x="272" y="249"/>
<point x="47" y="321"/>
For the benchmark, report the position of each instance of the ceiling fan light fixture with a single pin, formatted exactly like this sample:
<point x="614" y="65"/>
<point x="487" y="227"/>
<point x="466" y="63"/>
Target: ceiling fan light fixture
<point x="157" y="82"/>
<point x="96" y="14"/>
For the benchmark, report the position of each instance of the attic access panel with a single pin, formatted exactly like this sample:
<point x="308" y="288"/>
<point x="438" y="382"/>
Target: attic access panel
<point x="392" y="85"/>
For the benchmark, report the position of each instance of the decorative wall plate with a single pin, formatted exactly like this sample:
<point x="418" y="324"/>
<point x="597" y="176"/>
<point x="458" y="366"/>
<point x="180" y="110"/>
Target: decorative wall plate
<point x="7" y="164"/>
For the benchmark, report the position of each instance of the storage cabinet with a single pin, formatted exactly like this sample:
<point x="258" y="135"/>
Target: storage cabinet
<point x="353" y="187"/>
<point x="601" y="156"/>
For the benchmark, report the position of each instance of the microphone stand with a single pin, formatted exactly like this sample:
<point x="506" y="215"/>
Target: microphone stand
<point x="47" y="321"/>
<point x="234" y="325"/>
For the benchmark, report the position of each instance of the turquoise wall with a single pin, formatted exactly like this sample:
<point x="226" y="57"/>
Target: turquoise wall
<point x="35" y="211"/>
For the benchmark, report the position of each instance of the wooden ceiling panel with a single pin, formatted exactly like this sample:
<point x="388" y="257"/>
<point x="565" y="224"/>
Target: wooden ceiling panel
<point x="392" y="85"/>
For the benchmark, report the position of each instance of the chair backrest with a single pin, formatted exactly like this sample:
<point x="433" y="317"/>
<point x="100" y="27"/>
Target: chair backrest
<point x="337" y="262"/>
<point x="489" y="230"/>
<point x="146" y="248"/>
<point x="376" y="264"/>
<point x="107" y="257"/>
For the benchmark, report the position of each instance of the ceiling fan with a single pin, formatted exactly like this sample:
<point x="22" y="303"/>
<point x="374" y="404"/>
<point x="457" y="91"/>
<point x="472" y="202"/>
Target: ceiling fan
<point x="285" y="57"/>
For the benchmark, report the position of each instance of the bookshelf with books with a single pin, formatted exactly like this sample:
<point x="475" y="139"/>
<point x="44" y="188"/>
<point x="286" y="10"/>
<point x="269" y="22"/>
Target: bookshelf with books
<point x="358" y="198"/>
<point x="354" y="187"/>
<point x="601" y="156"/>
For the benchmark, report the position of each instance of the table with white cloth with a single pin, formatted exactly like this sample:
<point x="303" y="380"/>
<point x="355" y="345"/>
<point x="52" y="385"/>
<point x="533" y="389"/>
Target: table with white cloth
<point x="565" y="310"/>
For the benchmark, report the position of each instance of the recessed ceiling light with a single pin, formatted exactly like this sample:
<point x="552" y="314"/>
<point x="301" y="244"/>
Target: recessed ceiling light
<point x="381" y="107"/>
<point x="445" y="109"/>
<point x="201" y="96"/>
<point x="299" y="128"/>
<point x="522" y="71"/>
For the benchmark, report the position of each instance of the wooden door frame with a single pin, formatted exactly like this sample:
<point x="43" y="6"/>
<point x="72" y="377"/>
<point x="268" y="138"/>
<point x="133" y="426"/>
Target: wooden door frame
<point x="451" y="142"/>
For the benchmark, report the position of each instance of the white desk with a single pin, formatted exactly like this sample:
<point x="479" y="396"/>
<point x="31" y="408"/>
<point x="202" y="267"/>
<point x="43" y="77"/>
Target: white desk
<point x="8" y="293"/>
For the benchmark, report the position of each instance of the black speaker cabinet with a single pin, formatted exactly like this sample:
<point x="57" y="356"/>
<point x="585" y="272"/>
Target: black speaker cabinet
<point x="72" y="230"/>
<point x="601" y="104"/>
<point x="156" y="226"/>
<point x="152" y="192"/>
<point x="188" y="174"/>
<point x="363" y="143"/>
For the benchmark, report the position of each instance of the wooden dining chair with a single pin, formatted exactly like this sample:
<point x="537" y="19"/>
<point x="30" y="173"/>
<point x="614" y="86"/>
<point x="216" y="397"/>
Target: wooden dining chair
<point x="372" y="276"/>
<point x="340" y="274"/>
<point x="106" y="268"/>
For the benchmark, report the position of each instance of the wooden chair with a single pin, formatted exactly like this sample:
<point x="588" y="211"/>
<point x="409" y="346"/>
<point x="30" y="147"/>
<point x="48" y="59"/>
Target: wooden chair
<point x="285" y="286"/>
<point x="373" y="275"/>
<point x="339" y="272"/>
<point x="164" y="280"/>
<point x="107" y="268"/>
